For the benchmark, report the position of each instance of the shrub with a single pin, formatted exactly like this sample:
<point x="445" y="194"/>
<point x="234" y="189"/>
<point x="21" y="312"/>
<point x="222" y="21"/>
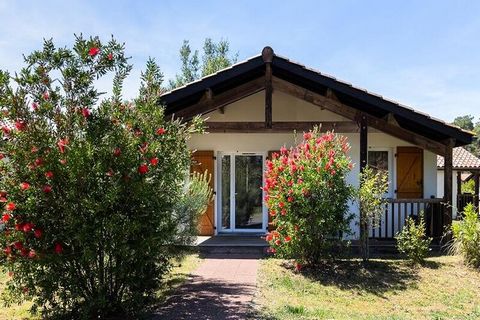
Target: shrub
<point x="307" y="196"/>
<point x="90" y="191"/>
<point x="466" y="236"/>
<point x="412" y="240"/>
<point x="373" y="186"/>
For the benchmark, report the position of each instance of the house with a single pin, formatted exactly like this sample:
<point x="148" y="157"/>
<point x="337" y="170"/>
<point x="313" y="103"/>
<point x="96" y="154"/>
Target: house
<point x="252" y="109"/>
<point x="466" y="166"/>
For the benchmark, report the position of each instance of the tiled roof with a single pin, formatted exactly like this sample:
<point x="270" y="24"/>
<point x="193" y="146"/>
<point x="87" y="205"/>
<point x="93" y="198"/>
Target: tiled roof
<point x="462" y="159"/>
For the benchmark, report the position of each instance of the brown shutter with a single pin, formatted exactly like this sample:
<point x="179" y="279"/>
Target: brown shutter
<point x="270" y="225"/>
<point x="409" y="173"/>
<point x="204" y="161"/>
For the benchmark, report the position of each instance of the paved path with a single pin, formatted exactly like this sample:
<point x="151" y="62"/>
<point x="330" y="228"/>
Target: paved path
<point x="222" y="287"/>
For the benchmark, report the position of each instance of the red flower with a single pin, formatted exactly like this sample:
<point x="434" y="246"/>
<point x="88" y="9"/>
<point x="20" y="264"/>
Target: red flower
<point x="93" y="51"/>
<point x="6" y="130"/>
<point x="271" y="250"/>
<point x="24" y="186"/>
<point x="18" y="245"/>
<point x="62" y="143"/>
<point x="298" y="266"/>
<point x="287" y="239"/>
<point x="281" y="204"/>
<point x="8" y="250"/>
<point x="2" y="156"/>
<point x="20" y="125"/>
<point x="46" y="96"/>
<point x="34" y="149"/>
<point x="38" y="162"/>
<point x="58" y="248"/>
<point x="161" y="131"/>
<point x="85" y="113"/>
<point x="63" y="161"/>
<point x="3" y="196"/>
<point x="19" y="226"/>
<point x="47" y="188"/>
<point x="283" y="212"/>
<point x="269" y="237"/>
<point x="110" y="56"/>
<point x="37" y="233"/>
<point x="35" y="106"/>
<point x="11" y="206"/>
<point x="5" y="217"/>
<point x="278" y="242"/>
<point x="154" y="161"/>
<point x="143" y="168"/>
<point x="283" y="150"/>
<point x="117" y="152"/>
<point x="49" y="174"/>
<point x="32" y="254"/>
<point x="27" y="227"/>
<point x="24" y="252"/>
<point x="290" y="199"/>
<point x="273" y="213"/>
<point x="109" y="173"/>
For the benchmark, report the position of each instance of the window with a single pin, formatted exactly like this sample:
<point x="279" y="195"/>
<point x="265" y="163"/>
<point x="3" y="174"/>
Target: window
<point x="378" y="160"/>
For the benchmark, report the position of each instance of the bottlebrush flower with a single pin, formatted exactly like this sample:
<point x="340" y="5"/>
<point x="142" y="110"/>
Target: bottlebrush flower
<point x="278" y="242"/>
<point x="307" y="135"/>
<point x="37" y="233"/>
<point x="34" y="106"/>
<point x="49" y="174"/>
<point x="58" y="248"/>
<point x="38" y="162"/>
<point x="8" y="250"/>
<point x="11" y="206"/>
<point x="269" y="237"/>
<point x="6" y="130"/>
<point x="2" y="156"/>
<point x="143" y="168"/>
<point x="110" y="57"/>
<point x="287" y="239"/>
<point x="63" y="161"/>
<point x="32" y="254"/>
<point x="117" y="152"/>
<point x="20" y="125"/>
<point x="62" y="143"/>
<point x="93" y="51"/>
<point x="46" y="95"/>
<point x="154" y="161"/>
<point x="47" y="188"/>
<point x="85" y="113"/>
<point x="161" y="131"/>
<point x="27" y="227"/>
<point x="18" y="245"/>
<point x="24" y="186"/>
<point x="5" y="217"/>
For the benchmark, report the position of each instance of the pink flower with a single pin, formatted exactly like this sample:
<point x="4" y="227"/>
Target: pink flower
<point x="307" y="136"/>
<point x="161" y="131"/>
<point x="47" y="188"/>
<point x="85" y="112"/>
<point x="32" y="254"/>
<point x="283" y="150"/>
<point x="49" y="174"/>
<point x="117" y="152"/>
<point x="38" y="162"/>
<point x="27" y="227"/>
<point x="62" y="143"/>
<point x="287" y="239"/>
<point x="46" y="95"/>
<point x="6" y="130"/>
<point x="35" y="106"/>
<point x="37" y="233"/>
<point x="93" y="51"/>
<point x="18" y="245"/>
<point x="8" y="250"/>
<point x="110" y="56"/>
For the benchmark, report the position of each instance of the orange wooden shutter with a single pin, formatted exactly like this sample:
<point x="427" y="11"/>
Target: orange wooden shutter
<point x="204" y="161"/>
<point x="409" y="173"/>
<point x="270" y="225"/>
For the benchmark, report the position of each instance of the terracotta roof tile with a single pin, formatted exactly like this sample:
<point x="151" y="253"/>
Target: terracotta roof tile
<point x="462" y="159"/>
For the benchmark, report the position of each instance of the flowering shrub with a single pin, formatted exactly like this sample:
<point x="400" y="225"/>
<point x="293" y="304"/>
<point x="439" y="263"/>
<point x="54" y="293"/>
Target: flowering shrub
<point x="88" y="190"/>
<point x="307" y="196"/>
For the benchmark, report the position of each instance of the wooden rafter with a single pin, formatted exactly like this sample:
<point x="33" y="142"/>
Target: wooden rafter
<point x="210" y="101"/>
<point x="354" y="114"/>
<point x="284" y="126"/>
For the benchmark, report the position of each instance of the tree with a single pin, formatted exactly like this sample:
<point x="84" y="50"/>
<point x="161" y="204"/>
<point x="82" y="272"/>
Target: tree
<point x="464" y="122"/>
<point x="94" y="193"/>
<point x="307" y="196"/>
<point x="216" y="56"/>
<point x="371" y="200"/>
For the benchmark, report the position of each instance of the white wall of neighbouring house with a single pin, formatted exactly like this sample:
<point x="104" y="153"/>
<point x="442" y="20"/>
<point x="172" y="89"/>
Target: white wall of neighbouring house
<point x="288" y="108"/>
<point x="441" y="189"/>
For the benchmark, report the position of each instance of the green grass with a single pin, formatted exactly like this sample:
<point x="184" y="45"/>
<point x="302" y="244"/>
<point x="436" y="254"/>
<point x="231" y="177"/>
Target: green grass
<point x="179" y="273"/>
<point x="387" y="289"/>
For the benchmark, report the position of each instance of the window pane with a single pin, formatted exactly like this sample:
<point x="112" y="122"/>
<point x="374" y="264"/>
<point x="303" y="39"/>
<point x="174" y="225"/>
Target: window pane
<point x="225" y="192"/>
<point x="248" y="195"/>
<point x="378" y="160"/>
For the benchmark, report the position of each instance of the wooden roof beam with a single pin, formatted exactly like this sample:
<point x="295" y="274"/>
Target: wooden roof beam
<point x="353" y="114"/>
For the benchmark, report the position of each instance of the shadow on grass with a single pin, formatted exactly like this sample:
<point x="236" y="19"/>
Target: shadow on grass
<point x="376" y="276"/>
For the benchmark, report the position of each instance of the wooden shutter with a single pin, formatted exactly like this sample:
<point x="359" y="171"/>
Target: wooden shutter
<point x="409" y="173"/>
<point x="204" y="161"/>
<point x="270" y="225"/>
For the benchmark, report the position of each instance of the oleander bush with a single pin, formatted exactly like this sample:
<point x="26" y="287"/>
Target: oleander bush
<point x="308" y="197"/>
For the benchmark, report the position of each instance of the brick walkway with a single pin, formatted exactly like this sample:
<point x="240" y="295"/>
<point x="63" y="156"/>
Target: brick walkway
<point x="222" y="287"/>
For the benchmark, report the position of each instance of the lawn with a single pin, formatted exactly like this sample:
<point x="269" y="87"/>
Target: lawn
<point x="180" y="272"/>
<point x="388" y="289"/>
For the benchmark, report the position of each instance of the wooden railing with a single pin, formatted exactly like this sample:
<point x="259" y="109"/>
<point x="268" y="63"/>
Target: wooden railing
<point x="463" y="200"/>
<point x="398" y="210"/>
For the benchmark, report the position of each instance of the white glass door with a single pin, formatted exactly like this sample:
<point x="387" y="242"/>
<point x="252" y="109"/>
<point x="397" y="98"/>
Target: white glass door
<point x="241" y="199"/>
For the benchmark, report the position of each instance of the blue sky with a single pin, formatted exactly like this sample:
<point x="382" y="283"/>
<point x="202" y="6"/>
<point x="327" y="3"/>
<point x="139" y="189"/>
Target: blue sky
<point x="425" y="54"/>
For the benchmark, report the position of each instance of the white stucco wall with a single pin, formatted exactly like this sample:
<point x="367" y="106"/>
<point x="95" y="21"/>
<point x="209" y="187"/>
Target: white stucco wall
<point x="441" y="189"/>
<point x="288" y="108"/>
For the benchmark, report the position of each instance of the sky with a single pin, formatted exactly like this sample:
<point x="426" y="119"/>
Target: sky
<point x="425" y="54"/>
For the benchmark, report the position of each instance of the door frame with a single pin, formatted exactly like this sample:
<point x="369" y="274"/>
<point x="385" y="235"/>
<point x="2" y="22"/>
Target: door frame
<point x="218" y="220"/>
